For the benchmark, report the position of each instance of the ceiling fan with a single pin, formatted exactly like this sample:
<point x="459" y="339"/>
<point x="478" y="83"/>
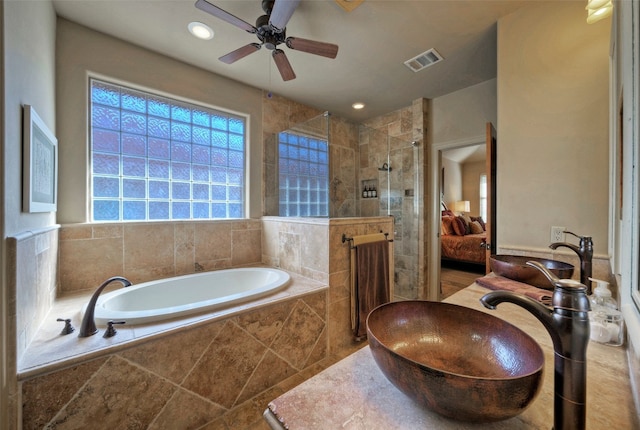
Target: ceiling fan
<point x="271" y="32"/>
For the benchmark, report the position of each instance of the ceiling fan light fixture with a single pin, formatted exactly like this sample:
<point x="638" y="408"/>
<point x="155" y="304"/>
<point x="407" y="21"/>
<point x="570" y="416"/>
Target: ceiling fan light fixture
<point x="358" y="105"/>
<point x="200" y="30"/>
<point x="598" y="9"/>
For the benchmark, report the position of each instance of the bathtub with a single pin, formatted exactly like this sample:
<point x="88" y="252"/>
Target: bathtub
<point x="190" y="294"/>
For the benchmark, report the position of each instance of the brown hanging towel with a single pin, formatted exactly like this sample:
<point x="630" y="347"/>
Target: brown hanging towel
<point x="370" y="282"/>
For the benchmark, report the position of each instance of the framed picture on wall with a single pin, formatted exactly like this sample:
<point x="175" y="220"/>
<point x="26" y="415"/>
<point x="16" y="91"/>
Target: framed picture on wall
<point x="39" y="164"/>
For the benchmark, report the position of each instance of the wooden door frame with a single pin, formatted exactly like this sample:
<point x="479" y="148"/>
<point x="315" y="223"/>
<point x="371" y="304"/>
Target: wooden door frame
<point x="491" y="164"/>
<point x="433" y="214"/>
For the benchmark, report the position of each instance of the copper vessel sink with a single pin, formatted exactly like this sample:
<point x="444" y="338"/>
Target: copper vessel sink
<point x="515" y="267"/>
<point x="456" y="361"/>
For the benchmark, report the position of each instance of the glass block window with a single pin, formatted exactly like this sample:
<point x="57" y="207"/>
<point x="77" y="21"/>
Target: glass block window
<point x="155" y="158"/>
<point x="303" y="165"/>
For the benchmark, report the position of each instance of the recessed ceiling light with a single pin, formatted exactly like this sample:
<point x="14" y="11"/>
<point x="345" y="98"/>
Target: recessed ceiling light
<point x="200" y="30"/>
<point x="357" y="105"/>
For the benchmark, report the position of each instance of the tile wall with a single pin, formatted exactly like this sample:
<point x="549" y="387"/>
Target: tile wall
<point x="34" y="285"/>
<point x="217" y="376"/>
<point x="313" y="247"/>
<point x="340" y="335"/>
<point x="31" y="289"/>
<point x="280" y="114"/>
<point x="91" y="253"/>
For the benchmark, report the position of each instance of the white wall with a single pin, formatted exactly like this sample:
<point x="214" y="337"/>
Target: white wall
<point x="452" y="181"/>
<point x="464" y="114"/>
<point x="553" y="125"/>
<point x="81" y="51"/>
<point x="29" y="78"/>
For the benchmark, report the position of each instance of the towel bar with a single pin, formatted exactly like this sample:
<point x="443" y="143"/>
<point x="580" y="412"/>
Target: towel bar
<point x="345" y="238"/>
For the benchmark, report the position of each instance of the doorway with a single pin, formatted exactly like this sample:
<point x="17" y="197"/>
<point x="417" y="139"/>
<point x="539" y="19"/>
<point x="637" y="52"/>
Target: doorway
<point x="474" y="151"/>
<point x="463" y="185"/>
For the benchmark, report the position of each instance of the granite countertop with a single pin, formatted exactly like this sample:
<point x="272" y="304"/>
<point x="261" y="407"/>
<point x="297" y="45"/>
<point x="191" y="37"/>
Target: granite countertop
<point x="354" y="394"/>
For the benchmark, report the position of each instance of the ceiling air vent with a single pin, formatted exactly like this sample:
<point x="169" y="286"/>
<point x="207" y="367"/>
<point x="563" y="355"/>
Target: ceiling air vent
<point x="424" y="60"/>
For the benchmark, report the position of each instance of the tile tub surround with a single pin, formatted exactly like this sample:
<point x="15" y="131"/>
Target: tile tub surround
<point x="215" y="369"/>
<point x="32" y="256"/>
<point x="50" y="351"/>
<point x="91" y="253"/>
<point x="354" y="393"/>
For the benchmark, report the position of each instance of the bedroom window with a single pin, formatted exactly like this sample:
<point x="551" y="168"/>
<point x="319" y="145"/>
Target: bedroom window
<point x="303" y="164"/>
<point x="158" y="158"/>
<point x="483" y="196"/>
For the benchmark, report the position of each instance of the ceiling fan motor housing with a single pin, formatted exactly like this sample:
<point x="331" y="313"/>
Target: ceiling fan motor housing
<point x="267" y="35"/>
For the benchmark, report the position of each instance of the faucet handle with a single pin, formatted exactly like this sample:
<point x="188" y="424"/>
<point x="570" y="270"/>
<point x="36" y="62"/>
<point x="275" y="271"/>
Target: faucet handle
<point x="568" y="294"/>
<point x="573" y="234"/>
<point x="583" y="239"/>
<point x="68" y="328"/>
<point x="555" y="281"/>
<point x="111" y="331"/>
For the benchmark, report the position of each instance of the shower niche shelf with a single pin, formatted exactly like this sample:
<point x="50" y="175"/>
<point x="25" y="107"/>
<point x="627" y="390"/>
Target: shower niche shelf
<point x="369" y="189"/>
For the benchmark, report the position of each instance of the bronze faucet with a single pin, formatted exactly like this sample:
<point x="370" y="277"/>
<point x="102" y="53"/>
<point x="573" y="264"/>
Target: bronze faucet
<point x="585" y="252"/>
<point x="88" y="326"/>
<point x="568" y="325"/>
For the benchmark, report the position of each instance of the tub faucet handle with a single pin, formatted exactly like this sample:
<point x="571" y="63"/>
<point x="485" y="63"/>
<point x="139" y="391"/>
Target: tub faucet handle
<point x="68" y="328"/>
<point x="111" y="331"/>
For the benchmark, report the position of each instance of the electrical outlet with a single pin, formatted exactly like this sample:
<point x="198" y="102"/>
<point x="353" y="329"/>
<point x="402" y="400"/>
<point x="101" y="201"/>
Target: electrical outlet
<point x="557" y="234"/>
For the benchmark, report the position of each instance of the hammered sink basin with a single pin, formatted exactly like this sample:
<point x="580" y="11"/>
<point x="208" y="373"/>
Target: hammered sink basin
<point x="456" y="361"/>
<point x="515" y="267"/>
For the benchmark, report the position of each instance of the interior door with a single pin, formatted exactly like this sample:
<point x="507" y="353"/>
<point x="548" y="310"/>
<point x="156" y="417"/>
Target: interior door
<point x="491" y="194"/>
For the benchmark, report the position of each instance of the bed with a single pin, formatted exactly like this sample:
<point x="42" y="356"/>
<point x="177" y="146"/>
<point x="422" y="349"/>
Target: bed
<point x="462" y="239"/>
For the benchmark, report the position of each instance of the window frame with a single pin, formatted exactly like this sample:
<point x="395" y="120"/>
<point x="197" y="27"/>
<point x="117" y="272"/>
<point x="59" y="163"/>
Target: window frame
<point x="483" y="195"/>
<point x="173" y="99"/>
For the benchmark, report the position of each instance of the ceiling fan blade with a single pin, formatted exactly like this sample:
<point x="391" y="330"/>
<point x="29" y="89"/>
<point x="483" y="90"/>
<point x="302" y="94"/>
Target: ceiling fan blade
<point x="239" y="53"/>
<point x="284" y="67"/>
<point x="225" y="16"/>
<point x="281" y="13"/>
<point x="328" y="50"/>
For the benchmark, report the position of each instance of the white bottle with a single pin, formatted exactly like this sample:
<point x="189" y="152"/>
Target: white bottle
<point x="601" y="296"/>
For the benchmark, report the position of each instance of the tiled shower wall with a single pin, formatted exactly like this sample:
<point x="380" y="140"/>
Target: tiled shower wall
<point x="353" y="159"/>
<point x="280" y="114"/>
<point x="407" y="189"/>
